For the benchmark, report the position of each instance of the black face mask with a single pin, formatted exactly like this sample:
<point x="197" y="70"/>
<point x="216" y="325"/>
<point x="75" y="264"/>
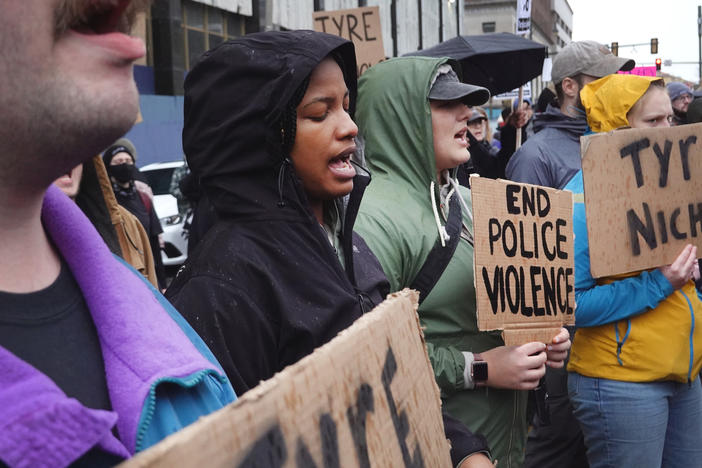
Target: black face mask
<point x="123" y="173"/>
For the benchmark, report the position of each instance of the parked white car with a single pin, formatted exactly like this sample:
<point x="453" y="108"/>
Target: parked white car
<point x="160" y="177"/>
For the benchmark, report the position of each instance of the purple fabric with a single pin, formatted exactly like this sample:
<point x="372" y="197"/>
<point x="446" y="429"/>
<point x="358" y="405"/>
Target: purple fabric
<point x="40" y="426"/>
<point x="140" y="343"/>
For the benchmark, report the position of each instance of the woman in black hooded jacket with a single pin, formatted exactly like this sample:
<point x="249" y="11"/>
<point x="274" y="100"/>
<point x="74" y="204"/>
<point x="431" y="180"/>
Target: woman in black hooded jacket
<point x="269" y="134"/>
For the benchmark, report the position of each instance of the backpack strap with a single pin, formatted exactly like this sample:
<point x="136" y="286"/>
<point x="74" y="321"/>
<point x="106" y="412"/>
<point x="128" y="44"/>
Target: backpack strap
<point x="440" y="256"/>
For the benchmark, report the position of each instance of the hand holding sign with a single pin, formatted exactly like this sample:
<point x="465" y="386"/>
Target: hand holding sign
<point x="516" y="367"/>
<point x="557" y="351"/>
<point x="681" y="270"/>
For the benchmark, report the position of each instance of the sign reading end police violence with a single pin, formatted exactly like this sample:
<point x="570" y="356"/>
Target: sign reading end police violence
<point x="366" y="398"/>
<point x="643" y="196"/>
<point x="523" y="257"/>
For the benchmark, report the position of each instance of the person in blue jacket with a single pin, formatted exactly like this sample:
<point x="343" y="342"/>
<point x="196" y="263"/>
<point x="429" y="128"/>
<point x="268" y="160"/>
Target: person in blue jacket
<point x="95" y="365"/>
<point x="637" y="353"/>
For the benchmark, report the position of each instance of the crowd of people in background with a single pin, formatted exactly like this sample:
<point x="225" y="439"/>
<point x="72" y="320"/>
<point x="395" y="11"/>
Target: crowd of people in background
<point x="308" y="210"/>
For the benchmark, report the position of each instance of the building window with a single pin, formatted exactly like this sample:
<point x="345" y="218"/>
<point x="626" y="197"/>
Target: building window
<point x="205" y="27"/>
<point x="489" y="27"/>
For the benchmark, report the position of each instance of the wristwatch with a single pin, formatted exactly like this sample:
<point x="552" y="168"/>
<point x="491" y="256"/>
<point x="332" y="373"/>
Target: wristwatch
<point x="479" y="369"/>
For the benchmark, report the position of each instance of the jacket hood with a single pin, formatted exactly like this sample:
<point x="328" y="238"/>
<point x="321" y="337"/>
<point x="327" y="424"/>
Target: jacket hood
<point x="235" y="99"/>
<point x="554" y="118"/>
<point x="609" y="99"/>
<point x="394" y="116"/>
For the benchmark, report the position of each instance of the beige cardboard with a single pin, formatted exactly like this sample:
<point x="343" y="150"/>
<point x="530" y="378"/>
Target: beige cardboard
<point x="529" y="312"/>
<point x="359" y="25"/>
<point x="613" y="197"/>
<point x="284" y="416"/>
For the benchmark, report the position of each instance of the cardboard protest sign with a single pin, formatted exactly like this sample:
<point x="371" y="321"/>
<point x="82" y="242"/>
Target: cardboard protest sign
<point x="366" y="398"/>
<point x="359" y="25"/>
<point x="523" y="257"/>
<point x="643" y="196"/>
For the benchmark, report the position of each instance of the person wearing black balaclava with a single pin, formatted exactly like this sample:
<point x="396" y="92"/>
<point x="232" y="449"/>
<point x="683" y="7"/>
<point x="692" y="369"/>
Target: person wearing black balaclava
<point x="119" y="162"/>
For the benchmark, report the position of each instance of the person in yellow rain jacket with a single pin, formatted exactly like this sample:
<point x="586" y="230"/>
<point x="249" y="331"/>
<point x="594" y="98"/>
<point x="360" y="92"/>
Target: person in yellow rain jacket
<point x="637" y="352"/>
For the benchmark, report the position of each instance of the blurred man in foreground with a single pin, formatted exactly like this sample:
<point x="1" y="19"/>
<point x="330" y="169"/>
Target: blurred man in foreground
<point x="82" y="362"/>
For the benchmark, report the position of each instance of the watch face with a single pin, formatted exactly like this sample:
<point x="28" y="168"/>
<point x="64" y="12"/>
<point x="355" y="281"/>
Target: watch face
<point x="480" y="371"/>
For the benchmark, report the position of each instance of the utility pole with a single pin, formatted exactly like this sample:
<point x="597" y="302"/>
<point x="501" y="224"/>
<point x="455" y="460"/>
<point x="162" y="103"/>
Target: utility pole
<point x="699" y="36"/>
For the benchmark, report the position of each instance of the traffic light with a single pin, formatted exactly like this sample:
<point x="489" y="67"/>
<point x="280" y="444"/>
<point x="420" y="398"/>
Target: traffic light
<point x="615" y="48"/>
<point x="658" y="64"/>
<point x="654" y="45"/>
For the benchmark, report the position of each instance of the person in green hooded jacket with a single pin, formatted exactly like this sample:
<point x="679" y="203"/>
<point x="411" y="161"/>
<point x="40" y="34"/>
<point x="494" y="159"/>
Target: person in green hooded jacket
<point x="413" y="114"/>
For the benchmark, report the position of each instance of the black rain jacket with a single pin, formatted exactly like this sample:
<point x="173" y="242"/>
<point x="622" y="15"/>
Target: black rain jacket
<point x="265" y="287"/>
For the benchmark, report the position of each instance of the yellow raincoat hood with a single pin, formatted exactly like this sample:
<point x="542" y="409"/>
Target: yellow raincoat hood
<point x="609" y="99"/>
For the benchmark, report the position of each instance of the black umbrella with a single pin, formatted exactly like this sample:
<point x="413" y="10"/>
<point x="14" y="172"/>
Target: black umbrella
<point x="500" y="62"/>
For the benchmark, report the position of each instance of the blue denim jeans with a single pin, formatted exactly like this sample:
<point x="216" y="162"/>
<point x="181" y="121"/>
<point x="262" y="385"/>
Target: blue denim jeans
<point x="641" y="425"/>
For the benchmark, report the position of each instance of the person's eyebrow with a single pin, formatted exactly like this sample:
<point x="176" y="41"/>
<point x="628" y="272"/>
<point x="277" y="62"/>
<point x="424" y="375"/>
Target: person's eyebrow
<point x="324" y="99"/>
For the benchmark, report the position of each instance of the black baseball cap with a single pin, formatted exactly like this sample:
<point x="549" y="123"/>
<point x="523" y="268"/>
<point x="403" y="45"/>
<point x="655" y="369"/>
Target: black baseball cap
<point x="447" y="87"/>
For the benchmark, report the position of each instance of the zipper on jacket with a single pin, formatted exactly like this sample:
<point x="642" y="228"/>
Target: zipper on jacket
<point x="363" y="299"/>
<point x="620" y="344"/>
<point x="145" y="420"/>
<point x="692" y="345"/>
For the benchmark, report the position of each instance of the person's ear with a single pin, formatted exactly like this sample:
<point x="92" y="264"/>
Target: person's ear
<point x="570" y="87"/>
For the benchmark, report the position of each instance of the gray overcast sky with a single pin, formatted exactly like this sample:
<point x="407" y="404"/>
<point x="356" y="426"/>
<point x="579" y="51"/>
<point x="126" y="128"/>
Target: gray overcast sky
<point x="673" y="22"/>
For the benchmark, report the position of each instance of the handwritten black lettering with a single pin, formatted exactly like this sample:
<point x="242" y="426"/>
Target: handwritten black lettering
<point x="534" y="272"/>
<point x="550" y="254"/>
<point x="352" y="27"/>
<point x="511" y="250"/>
<point x="512" y="191"/>
<point x="367" y="26"/>
<point x="562" y="301"/>
<point x="674" y="226"/>
<point x="522" y="249"/>
<point x="535" y="230"/>
<point x="339" y="25"/>
<point x="684" y="154"/>
<point x="561" y="239"/>
<point x="549" y="290"/>
<point x="527" y="311"/>
<point x="645" y="230"/>
<point x="695" y="218"/>
<point x="323" y="20"/>
<point x="512" y="287"/>
<point x="528" y="202"/>
<point x="663" y="161"/>
<point x="303" y="457"/>
<point x="494" y="231"/>
<point x="399" y="420"/>
<point x="543" y="202"/>
<point x="568" y="288"/>
<point x="357" y="423"/>
<point x="493" y="290"/>
<point x="268" y="450"/>
<point x="633" y="151"/>
<point x="663" y="227"/>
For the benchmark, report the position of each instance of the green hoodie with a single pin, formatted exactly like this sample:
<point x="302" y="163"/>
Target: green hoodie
<point x="397" y="221"/>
